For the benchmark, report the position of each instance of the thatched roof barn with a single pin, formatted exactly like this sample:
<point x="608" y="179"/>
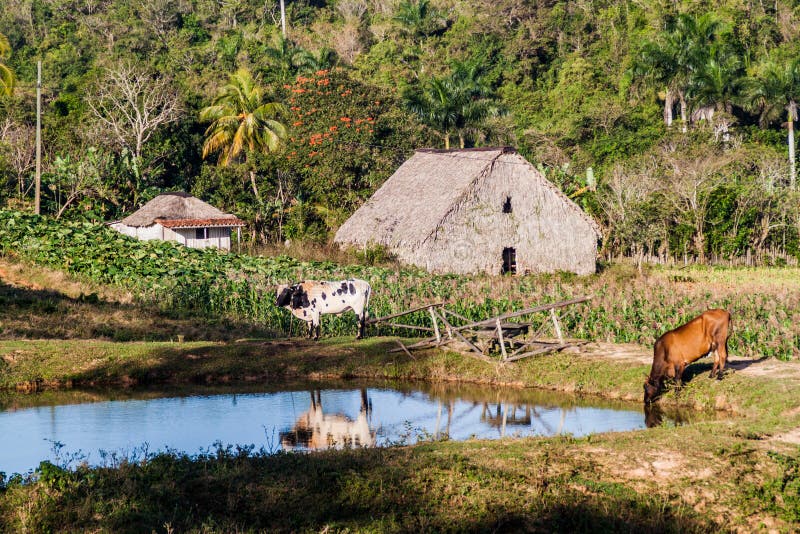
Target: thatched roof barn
<point x="182" y="218"/>
<point x="475" y="210"/>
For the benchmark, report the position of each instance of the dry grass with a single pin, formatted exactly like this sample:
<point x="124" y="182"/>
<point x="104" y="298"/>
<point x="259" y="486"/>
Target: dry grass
<point x="41" y="303"/>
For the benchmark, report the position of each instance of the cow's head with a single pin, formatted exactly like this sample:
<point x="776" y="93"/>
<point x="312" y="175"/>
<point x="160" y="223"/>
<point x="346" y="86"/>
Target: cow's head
<point x="284" y="295"/>
<point x="650" y="390"/>
<point x="294" y="296"/>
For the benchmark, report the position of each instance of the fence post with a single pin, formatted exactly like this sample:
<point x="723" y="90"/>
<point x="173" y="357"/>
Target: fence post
<point x="435" y="326"/>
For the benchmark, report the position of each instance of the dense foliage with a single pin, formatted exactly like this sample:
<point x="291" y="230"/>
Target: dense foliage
<point x="678" y="108"/>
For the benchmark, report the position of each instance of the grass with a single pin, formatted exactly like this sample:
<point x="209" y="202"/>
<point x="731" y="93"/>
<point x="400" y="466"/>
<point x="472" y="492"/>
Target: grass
<point x="662" y="480"/>
<point x="731" y="473"/>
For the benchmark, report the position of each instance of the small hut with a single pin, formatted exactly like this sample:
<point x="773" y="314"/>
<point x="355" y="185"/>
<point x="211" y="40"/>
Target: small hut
<point x="475" y="210"/>
<point x="182" y="218"/>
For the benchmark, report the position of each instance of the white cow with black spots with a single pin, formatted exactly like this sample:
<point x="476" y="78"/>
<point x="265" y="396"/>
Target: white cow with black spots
<point x="310" y="299"/>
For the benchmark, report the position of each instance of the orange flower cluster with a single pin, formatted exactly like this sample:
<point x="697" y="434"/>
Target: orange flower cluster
<point x="302" y="95"/>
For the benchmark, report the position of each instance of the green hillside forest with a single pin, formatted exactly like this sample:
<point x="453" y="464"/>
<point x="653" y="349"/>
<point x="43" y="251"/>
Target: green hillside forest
<point x="670" y="122"/>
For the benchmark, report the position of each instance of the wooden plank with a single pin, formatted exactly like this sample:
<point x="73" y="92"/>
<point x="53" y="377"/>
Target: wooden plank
<point x="431" y="341"/>
<point x="531" y="344"/>
<point x="456" y="315"/>
<point x="478" y="353"/>
<point x="554" y="348"/>
<point x="448" y="327"/>
<point x="408" y="326"/>
<point x="510" y="330"/>
<point x="405" y="350"/>
<point x="400" y="314"/>
<point x="501" y="340"/>
<point x="543" y="307"/>
<point x="435" y="326"/>
<point x="556" y="325"/>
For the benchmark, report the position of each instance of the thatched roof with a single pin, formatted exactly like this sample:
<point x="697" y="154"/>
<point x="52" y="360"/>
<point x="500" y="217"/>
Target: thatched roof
<point x="414" y="201"/>
<point x="180" y="210"/>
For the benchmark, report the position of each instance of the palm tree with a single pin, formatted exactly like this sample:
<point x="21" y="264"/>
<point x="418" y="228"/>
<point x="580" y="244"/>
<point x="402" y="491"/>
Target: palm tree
<point x="242" y="122"/>
<point x="324" y="59"/>
<point x="775" y="88"/>
<point x="417" y="17"/>
<point x="719" y="81"/>
<point x="474" y="105"/>
<point x="284" y="58"/>
<point x="676" y="55"/>
<point x="716" y="86"/>
<point x="454" y="104"/>
<point x="434" y="104"/>
<point x="7" y="79"/>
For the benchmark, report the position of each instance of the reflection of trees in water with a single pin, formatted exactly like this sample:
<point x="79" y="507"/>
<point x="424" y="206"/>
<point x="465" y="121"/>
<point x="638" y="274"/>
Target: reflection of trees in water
<point x="317" y="430"/>
<point x="501" y="415"/>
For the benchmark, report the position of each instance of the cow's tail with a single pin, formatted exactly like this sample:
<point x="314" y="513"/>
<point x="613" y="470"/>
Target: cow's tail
<point x="730" y="324"/>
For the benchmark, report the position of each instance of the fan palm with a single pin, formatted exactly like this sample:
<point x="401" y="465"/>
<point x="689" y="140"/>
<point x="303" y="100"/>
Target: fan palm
<point x="242" y="122"/>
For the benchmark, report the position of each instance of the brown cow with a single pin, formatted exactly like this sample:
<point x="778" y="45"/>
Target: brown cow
<point x="678" y="348"/>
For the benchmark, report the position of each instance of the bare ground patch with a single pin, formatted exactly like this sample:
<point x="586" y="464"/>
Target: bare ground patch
<point x="641" y="355"/>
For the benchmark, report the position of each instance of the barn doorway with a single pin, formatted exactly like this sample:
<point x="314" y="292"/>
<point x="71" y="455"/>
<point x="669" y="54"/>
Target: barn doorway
<point x="509" y="261"/>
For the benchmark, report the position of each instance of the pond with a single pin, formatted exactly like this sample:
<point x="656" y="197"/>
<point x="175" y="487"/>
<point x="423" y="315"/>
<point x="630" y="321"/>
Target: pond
<point x="100" y="427"/>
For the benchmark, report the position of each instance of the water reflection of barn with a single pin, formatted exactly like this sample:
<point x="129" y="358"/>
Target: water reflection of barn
<point x="315" y="430"/>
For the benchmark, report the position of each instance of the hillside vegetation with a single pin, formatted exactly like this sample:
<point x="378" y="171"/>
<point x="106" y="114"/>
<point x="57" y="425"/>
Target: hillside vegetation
<point x="667" y="121"/>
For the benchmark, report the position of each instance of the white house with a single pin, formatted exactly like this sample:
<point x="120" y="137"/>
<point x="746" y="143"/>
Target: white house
<point x="182" y="218"/>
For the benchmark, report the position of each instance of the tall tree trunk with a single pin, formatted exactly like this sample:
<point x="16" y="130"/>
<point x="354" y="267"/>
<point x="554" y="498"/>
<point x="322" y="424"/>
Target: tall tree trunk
<point x="684" y="119"/>
<point x="669" y="104"/>
<point x="447" y="141"/>
<point x="461" y="140"/>
<point x="792" y="109"/>
<point x="254" y="186"/>
<point x="700" y="245"/>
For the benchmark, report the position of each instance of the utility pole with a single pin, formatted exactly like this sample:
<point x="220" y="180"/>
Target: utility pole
<point x="283" y="18"/>
<point x="37" y="200"/>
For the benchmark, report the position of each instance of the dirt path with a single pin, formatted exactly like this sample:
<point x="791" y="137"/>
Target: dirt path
<point x="641" y="355"/>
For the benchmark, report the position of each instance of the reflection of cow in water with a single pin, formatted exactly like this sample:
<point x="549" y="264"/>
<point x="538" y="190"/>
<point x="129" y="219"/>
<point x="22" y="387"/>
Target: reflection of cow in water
<point x="316" y="430"/>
